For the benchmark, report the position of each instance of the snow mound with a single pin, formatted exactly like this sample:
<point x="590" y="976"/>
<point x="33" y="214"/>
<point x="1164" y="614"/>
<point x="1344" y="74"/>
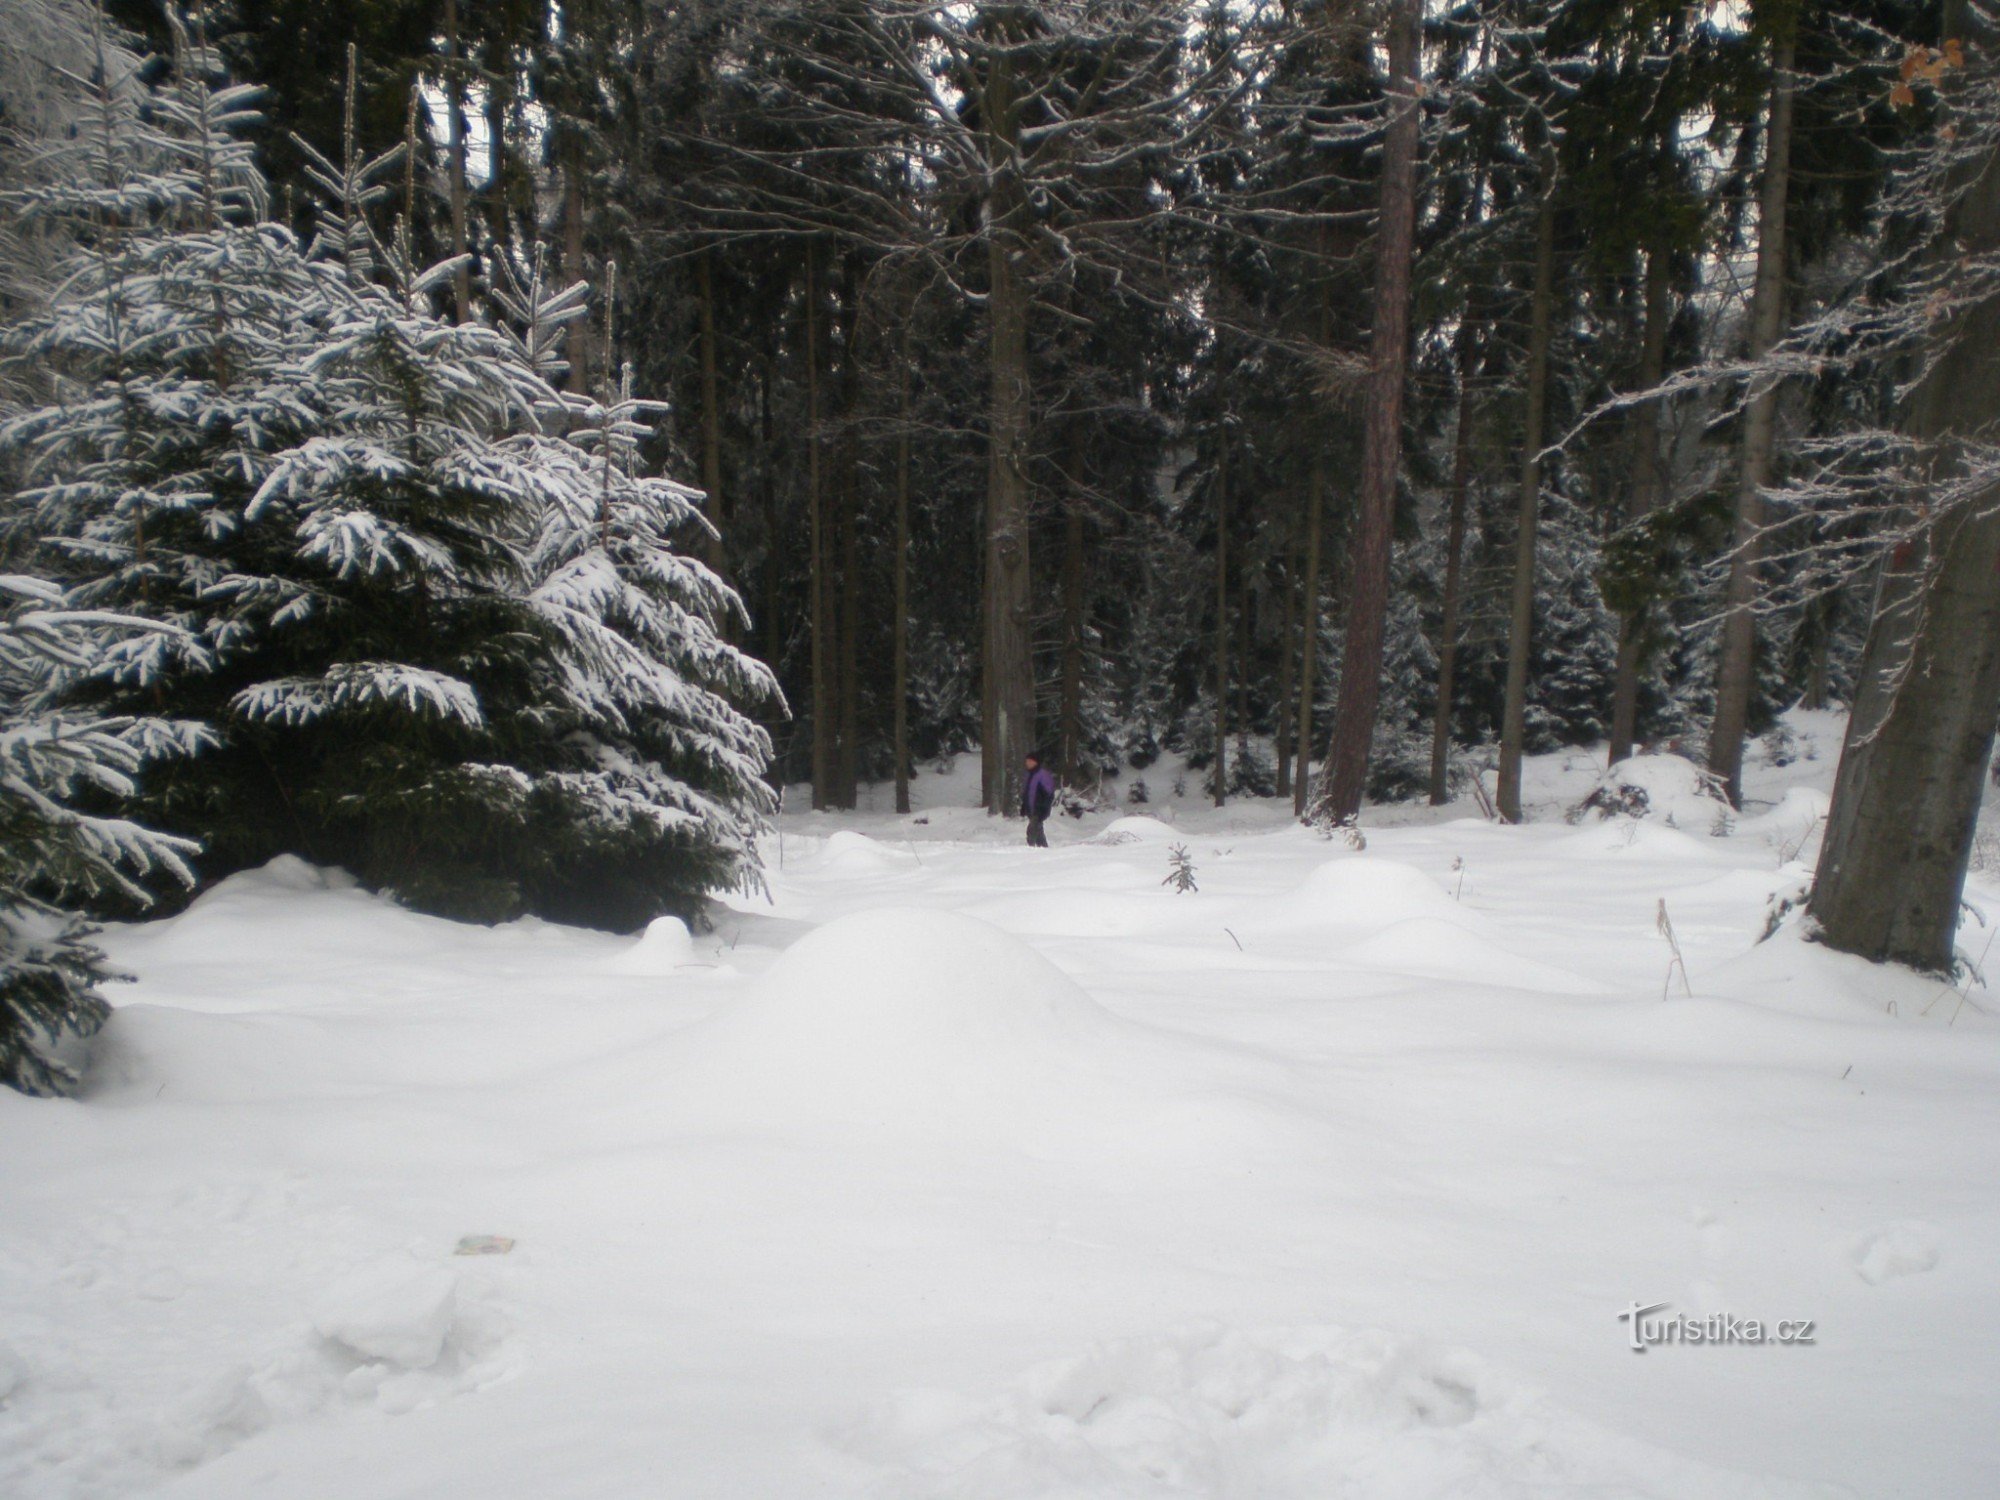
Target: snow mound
<point x="1668" y="787"/>
<point x="941" y="1028"/>
<point x="393" y="1313"/>
<point x="1441" y="949"/>
<point x="1361" y="892"/>
<point x="663" y="947"/>
<point x="1796" y="814"/>
<point x="1906" y="1249"/>
<point x="1137" y="828"/>
<point x="856" y="854"/>
<point x="1288" y="1415"/>
<point x="894" y="1015"/>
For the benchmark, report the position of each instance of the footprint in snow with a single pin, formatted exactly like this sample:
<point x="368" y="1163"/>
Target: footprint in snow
<point x="1908" y="1248"/>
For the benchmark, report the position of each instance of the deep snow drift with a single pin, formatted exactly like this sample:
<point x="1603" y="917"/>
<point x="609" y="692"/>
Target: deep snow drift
<point x="965" y="1170"/>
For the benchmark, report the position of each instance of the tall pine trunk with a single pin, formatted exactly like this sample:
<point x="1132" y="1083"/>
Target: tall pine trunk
<point x="576" y="342"/>
<point x="1642" y="499"/>
<point x="899" y="651"/>
<point x="1308" y="684"/>
<point x="1735" y="670"/>
<point x="1521" y="628"/>
<point x="822" y="707"/>
<point x="454" y="96"/>
<point x="711" y="415"/>
<point x="1454" y="573"/>
<point x="1906" y="798"/>
<point x="1070" y="698"/>
<point x="1008" y="680"/>
<point x="1222" y="619"/>
<point x="1281" y="737"/>
<point x="1346" y="774"/>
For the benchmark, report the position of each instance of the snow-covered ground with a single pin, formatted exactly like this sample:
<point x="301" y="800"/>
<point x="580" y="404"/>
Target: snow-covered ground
<point x="964" y="1170"/>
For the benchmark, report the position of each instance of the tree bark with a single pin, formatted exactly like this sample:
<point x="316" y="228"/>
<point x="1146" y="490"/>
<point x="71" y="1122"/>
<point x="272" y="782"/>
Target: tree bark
<point x="1520" y="634"/>
<point x="576" y="344"/>
<point x="1454" y="574"/>
<point x="822" y="708"/>
<point x="1346" y="773"/>
<point x="1008" y="681"/>
<point x="1281" y="737"/>
<point x="454" y="95"/>
<point x="899" y="669"/>
<point x="1736" y="664"/>
<point x="1641" y="501"/>
<point x="1906" y="798"/>
<point x="847" y="770"/>
<point x="1071" y="696"/>
<point x="1308" y="686"/>
<point x="1222" y="619"/>
<point x="711" y="416"/>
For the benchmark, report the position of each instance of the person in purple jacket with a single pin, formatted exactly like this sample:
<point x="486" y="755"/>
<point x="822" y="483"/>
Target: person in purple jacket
<point x="1038" y="800"/>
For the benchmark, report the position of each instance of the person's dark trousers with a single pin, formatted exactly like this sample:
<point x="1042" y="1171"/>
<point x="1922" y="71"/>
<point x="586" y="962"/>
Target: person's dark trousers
<point x="1037" y="835"/>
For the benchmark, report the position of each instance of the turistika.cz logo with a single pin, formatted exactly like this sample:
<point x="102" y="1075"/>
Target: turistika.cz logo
<point x="1651" y="1326"/>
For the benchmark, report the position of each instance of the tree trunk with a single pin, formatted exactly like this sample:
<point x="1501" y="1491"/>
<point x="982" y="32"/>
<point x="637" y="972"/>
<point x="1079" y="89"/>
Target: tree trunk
<point x="576" y="344"/>
<point x="454" y="95"/>
<point x="1308" y="686"/>
<point x="711" y="416"/>
<point x="1520" y="634"/>
<point x="1222" y="620"/>
<point x="1736" y="665"/>
<point x="1641" y="501"/>
<point x="1071" y="697"/>
<point x="847" y="770"/>
<point x="1281" y="739"/>
<point x="899" y="669"/>
<point x="822" y="708"/>
<point x="1906" y="798"/>
<point x="1009" y="677"/>
<point x="1454" y="574"/>
<point x="1346" y="773"/>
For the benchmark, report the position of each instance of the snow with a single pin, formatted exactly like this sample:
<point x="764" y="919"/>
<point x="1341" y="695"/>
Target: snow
<point x="960" y="1169"/>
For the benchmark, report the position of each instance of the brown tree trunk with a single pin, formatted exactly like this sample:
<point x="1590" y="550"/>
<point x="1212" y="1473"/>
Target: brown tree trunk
<point x="1071" y="697"/>
<point x="454" y="95"/>
<point x="1641" y="500"/>
<point x="711" y="415"/>
<point x="1454" y="574"/>
<point x="576" y="344"/>
<point x="1520" y="634"/>
<point x="1222" y="620"/>
<point x="1735" y="670"/>
<point x="1308" y="687"/>
<point x="822" y="707"/>
<point x="899" y="668"/>
<point x="1008" y="681"/>
<point x="1346" y="773"/>
<point x="1281" y="738"/>
<point x="847" y="777"/>
<point x="1906" y="798"/>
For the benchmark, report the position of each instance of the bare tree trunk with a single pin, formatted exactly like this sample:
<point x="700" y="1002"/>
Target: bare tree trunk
<point x="899" y="669"/>
<point x="1642" y="500"/>
<point x="774" y="577"/>
<point x="1346" y="773"/>
<point x="1281" y="738"/>
<point x="576" y="343"/>
<point x="1222" y="620"/>
<point x="454" y="95"/>
<point x="1520" y="634"/>
<point x="1071" y="697"/>
<point x="1009" y="676"/>
<point x="1454" y="574"/>
<point x="847" y="770"/>
<point x="1906" y="799"/>
<point x="1308" y="687"/>
<point x="1736" y="666"/>
<point x="711" y="415"/>
<point x="822" y="708"/>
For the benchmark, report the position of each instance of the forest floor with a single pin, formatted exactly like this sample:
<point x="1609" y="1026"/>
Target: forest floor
<point x="959" y="1169"/>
